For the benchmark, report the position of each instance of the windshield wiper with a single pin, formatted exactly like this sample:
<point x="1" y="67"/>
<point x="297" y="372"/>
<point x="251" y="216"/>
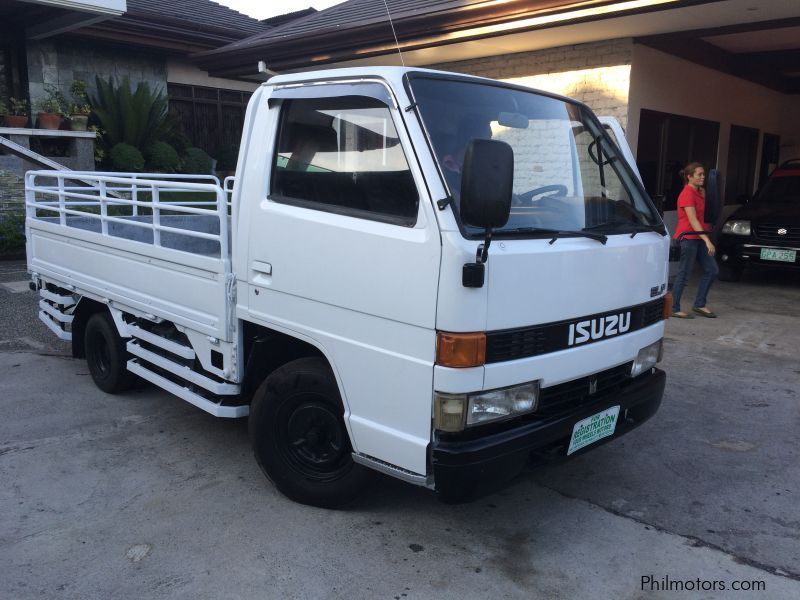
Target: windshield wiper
<point x="638" y="227"/>
<point x="557" y="233"/>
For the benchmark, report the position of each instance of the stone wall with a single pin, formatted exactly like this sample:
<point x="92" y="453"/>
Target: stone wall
<point x="12" y="194"/>
<point x="597" y="73"/>
<point x="60" y="62"/>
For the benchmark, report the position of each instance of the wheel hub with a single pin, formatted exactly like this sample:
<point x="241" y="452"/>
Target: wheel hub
<point x="315" y="437"/>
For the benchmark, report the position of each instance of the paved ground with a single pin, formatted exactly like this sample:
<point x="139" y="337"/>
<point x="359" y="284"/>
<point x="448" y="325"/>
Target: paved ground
<point x="142" y="495"/>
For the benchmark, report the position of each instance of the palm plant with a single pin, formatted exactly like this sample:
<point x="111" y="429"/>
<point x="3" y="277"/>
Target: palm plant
<point x="139" y="117"/>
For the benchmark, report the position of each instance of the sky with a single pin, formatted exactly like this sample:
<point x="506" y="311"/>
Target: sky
<point x="258" y="9"/>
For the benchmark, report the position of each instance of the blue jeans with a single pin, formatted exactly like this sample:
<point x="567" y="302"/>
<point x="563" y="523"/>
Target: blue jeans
<point x="692" y="250"/>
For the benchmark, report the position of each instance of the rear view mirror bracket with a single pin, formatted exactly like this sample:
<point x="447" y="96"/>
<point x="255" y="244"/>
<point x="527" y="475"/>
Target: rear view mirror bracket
<point x="474" y="274"/>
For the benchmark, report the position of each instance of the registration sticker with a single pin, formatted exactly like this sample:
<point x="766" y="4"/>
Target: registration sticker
<point x="593" y="429"/>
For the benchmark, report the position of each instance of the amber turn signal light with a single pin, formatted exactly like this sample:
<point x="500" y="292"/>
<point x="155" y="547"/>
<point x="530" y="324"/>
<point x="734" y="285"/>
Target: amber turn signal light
<point x="460" y="350"/>
<point x="667" y="305"/>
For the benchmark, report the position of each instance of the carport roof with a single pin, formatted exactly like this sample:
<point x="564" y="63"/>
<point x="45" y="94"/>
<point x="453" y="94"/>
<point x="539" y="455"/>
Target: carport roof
<point x="440" y="31"/>
<point x="359" y="28"/>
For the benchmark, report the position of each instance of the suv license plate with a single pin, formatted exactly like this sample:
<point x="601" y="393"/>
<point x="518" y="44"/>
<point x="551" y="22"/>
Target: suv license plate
<point x="593" y="429"/>
<point x="779" y="255"/>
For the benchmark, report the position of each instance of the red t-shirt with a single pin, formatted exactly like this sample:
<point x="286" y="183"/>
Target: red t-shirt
<point x="690" y="197"/>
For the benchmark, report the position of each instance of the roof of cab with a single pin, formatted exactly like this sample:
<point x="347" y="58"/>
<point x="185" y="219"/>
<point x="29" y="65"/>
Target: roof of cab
<point x="394" y="75"/>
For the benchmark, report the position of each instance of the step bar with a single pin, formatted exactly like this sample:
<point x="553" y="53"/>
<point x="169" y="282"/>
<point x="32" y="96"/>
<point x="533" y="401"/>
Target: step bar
<point x="53" y="313"/>
<point x="214" y="408"/>
<point x="183" y="372"/>
<point x="172" y="347"/>
<point x="53" y="316"/>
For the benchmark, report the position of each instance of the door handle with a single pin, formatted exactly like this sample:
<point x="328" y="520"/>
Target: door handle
<point x="261" y="268"/>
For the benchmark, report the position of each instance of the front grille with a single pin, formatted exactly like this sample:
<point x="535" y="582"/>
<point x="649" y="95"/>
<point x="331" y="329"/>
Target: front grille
<point x="512" y="344"/>
<point x="768" y="232"/>
<point x="515" y="344"/>
<point x="570" y="395"/>
<point x="653" y="312"/>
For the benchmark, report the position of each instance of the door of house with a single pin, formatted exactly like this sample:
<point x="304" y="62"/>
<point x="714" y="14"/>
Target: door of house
<point x="667" y="143"/>
<point x="770" y="155"/>
<point x="741" y="171"/>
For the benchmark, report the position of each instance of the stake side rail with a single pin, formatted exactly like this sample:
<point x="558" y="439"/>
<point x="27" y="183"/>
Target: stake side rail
<point x="144" y="210"/>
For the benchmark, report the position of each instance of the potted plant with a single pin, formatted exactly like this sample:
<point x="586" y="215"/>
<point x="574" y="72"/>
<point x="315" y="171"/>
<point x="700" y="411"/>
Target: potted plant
<point x="80" y="110"/>
<point x="16" y="114"/>
<point x="51" y="109"/>
<point x="79" y="117"/>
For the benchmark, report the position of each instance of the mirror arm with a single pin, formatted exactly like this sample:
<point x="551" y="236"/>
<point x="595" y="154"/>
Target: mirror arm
<point x="483" y="250"/>
<point x="473" y="275"/>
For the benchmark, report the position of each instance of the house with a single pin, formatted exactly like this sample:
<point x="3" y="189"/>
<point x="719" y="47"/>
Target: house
<point x="53" y="42"/>
<point x="715" y="81"/>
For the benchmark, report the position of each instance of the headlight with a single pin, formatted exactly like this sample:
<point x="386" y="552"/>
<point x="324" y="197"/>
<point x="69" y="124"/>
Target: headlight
<point x="737" y="227"/>
<point x="454" y="412"/>
<point x="646" y="359"/>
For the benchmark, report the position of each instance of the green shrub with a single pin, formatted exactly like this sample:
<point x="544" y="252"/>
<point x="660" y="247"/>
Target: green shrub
<point x="163" y="157"/>
<point x="139" y="117"/>
<point x="12" y="234"/>
<point x="196" y="161"/>
<point x="179" y="140"/>
<point x="227" y="157"/>
<point x="125" y="157"/>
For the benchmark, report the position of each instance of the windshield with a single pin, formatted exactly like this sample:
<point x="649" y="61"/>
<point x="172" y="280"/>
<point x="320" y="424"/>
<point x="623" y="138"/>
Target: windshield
<point x="568" y="176"/>
<point x="782" y="187"/>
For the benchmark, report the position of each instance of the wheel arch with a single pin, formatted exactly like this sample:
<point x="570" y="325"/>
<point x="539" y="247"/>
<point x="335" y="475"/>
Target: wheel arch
<point x="267" y="349"/>
<point x="83" y="311"/>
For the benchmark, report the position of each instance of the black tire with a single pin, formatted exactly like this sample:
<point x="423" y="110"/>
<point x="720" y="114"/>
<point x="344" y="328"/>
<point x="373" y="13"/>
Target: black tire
<point x="299" y="438"/>
<point x="106" y="355"/>
<point x="729" y="273"/>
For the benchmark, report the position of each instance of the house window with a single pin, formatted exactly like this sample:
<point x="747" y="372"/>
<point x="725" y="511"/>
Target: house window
<point x="343" y="155"/>
<point x="211" y="118"/>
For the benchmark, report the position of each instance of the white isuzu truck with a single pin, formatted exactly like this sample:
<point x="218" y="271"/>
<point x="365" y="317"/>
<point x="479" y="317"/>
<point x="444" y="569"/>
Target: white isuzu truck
<point x="435" y="276"/>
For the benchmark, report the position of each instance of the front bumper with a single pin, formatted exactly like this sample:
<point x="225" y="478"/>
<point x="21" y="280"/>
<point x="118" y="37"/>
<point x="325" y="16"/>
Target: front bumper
<point x="468" y="468"/>
<point x="743" y="251"/>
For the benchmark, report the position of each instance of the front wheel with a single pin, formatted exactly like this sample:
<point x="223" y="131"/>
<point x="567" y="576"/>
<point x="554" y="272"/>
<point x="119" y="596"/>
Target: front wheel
<point x="299" y="438"/>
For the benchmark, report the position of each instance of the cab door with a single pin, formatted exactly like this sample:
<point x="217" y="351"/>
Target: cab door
<point x="344" y="252"/>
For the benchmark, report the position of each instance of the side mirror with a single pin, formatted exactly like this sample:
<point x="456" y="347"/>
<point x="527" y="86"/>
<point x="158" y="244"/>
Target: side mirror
<point x="486" y="183"/>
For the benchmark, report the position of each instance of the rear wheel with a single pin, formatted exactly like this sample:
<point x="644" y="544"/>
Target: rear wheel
<point x="299" y="438"/>
<point x="106" y="355"/>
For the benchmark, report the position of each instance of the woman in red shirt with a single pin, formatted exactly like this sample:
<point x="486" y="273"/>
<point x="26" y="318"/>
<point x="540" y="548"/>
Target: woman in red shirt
<point x="691" y="209"/>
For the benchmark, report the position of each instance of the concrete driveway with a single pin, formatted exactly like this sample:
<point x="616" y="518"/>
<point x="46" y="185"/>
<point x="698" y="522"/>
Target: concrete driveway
<point x="142" y="495"/>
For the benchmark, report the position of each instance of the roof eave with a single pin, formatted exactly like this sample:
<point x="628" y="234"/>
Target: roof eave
<point x="413" y="32"/>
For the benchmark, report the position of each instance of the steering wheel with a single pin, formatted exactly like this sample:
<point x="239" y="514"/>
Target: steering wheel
<point x="526" y="198"/>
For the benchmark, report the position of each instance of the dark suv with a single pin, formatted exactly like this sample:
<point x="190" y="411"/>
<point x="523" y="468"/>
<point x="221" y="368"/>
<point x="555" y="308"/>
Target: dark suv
<point x="766" y="231"/>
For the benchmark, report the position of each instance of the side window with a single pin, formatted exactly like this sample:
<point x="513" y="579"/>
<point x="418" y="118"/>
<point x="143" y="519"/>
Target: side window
<point x="343" y="155"/>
